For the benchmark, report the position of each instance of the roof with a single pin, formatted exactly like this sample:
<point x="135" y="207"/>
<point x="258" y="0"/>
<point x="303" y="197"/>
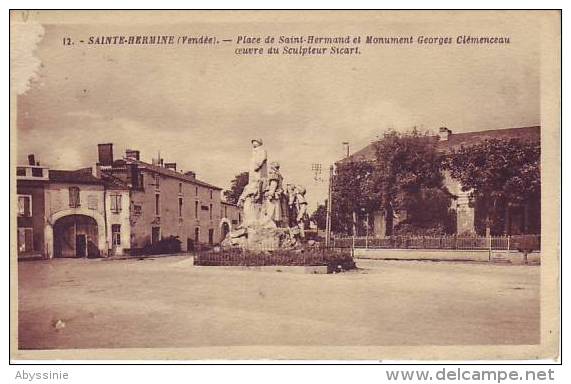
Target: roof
<point x="171" y="173"/>
<point x="85" y="176"/>
<point x="80" y="176"/>
<point x="456" y="140"/>
<point x="113" y="182"/>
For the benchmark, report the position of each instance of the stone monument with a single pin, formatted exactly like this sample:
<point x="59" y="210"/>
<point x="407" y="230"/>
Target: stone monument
<point x="274" y="213"/>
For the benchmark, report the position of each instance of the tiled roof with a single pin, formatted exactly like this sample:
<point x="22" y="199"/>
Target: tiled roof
<point x="456" y="140"/>
<point x="80" y="176"/>
<point x="113" y="182"/>
<point x="85" y="176"/>
<point x="170" y="173"/>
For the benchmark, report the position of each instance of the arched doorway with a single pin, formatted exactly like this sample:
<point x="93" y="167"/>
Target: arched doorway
<point x="76" y="236"/>
<point x="225" y="227"/>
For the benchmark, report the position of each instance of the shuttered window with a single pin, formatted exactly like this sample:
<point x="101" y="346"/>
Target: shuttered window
<point x="74" y="197"/>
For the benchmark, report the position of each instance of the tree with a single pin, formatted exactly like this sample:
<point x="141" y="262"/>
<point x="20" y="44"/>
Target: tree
<point x="319" y="216"/>
<point x="236" y="187"/>
<point x="404" y="175"/>
<point x="499" y="172"/>
<point x="428" y="212"/>
<point x="353" y="191"/>
<point x="408" y="164"/>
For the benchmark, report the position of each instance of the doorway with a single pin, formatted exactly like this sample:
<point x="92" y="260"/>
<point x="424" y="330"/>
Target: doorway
<point x="80" y="245"/>
<point x="76" y="236"/>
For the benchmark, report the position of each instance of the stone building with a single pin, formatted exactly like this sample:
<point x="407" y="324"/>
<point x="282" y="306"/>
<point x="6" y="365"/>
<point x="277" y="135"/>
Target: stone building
<point x="31" y="181"/>
<point x="165" y="202"/>
<point x="518" y="219"/>
<point x="116" y="207"/>
<point x="69" y="213"/>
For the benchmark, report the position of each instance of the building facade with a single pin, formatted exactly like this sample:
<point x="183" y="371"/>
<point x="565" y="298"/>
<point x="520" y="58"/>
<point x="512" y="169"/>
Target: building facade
<point x="165" y="202"/>
<point x="68" y="213"/>
<point x="31" y="181"/>
<point x="117" y="207"/>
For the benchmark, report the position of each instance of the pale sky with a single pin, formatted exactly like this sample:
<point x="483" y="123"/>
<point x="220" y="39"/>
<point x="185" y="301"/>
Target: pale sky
<point x="200" y="106"/>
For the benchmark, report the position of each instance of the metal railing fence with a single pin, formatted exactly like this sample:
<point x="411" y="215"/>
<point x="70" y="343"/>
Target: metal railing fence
<point x="452" y="242"/>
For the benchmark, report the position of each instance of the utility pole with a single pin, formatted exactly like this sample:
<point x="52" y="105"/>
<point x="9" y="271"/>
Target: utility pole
<point x="328" y="219"/>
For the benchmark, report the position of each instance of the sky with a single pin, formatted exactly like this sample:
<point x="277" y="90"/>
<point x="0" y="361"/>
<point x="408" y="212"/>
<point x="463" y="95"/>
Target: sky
<point x="200" y="106"/>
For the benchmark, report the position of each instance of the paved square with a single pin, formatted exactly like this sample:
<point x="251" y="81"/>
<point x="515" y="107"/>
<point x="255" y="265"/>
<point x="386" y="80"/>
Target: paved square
<point x="167" y="302"/>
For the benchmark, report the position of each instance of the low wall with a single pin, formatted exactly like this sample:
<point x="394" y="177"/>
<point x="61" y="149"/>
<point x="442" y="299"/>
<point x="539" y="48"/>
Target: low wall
<point x="513" y="257"/>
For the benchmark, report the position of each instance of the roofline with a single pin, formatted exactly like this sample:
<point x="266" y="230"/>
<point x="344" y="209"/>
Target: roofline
<point x="174" y="174"/>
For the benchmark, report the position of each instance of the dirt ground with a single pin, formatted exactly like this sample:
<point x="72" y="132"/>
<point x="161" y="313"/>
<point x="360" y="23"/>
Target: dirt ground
<point x="167" y="302"/>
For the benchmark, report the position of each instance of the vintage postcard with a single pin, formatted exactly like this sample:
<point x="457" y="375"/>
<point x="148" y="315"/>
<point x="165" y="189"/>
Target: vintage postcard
<point x="285" y="185"/>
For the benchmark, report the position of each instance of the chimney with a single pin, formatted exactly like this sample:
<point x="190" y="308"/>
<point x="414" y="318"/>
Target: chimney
<point x="133" y="154"/>
<point x="105" y="154"/>
<point x="96" y="170"/>
<point x="171" y="166"/>
<point x="444" y="133"/>
<point x="191" y="174"/>
<point x="31" y="159"/>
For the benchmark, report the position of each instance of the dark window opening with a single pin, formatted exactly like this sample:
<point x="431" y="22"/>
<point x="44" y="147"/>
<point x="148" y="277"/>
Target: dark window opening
<point x="74" y="197"/>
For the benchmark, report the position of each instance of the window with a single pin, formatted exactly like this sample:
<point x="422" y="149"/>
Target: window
<point x="196" y="235"/>
<point x="225" y="211"/>
<point x="180" y="188"/>
<point x="25" y="239"/>
<point x="38" y="172"/>
<point x="24" y="205"/>
<point x="210" y="211"/>
<point x="196" y="191"/>
<point x="137" y="209"/>
<point x="196" y="209"/>
<point x="74" y="197"/>
<point x="116" y="234"/>
<point x="239" y="217"/>
<point x="20" y="171"/>
<point x="211" y="236"/>
<point x="157" y="181"/>
<point x="211" y="193"/>
<point x="157" y="204"/>
<point x="115" y="203"/>
<point x="92" y="202"/>
<point x="180" y="207"/>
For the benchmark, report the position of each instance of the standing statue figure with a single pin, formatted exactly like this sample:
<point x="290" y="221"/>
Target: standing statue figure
<point x="301" y="208"/>
<point x="274" y="196"/>
<point x="251" y="196"/>
<point x="258" y="164"/>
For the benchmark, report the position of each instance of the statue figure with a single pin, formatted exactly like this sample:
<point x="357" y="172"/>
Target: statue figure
<point x="258" y="164"/>
<point x="251" y="196"/>
<point x="273" y="195"/>
<point x="301" y="208"/>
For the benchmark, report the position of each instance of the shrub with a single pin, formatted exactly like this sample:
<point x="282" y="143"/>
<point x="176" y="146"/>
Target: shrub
<point x="336" y="259"/>
<point x="169" y="244"/>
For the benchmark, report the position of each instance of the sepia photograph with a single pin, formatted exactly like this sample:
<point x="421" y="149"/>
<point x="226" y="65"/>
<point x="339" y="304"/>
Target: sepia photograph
<point x="285" y="185"/>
